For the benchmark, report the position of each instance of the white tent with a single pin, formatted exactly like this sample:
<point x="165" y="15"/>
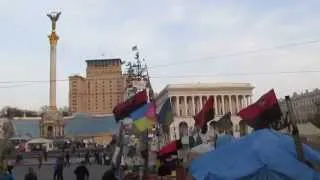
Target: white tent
<point x="20" y="138"/>
<point x="202" y="148"/>
<point x="43" y="143"/>
<point x="40" y="140"/>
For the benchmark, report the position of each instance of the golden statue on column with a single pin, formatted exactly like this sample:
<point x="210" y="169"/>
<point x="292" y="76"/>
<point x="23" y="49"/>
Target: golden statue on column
<point x="51" y="124"/>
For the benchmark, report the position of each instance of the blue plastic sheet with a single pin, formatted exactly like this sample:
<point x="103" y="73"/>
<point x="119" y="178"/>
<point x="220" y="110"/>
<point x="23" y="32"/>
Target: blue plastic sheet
<point x="223" y="140"/>
<point x="264" y="154"/>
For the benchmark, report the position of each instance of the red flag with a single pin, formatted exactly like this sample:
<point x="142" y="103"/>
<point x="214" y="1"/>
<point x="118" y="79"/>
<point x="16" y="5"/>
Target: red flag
<point x="124" y="109"/>
<point x="206" y="114"/>
<point x="263" y="112"/>
<point x="171" y="148"/>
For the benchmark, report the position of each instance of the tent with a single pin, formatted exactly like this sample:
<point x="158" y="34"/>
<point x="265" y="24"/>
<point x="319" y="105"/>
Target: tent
<point x="223" y="140"/>
<point x="264" y="154"/>
<point x="202" y="148"/>
<point x="39" y="143"/>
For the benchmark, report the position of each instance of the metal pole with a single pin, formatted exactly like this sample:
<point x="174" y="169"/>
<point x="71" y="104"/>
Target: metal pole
<point x="120" y="144"/>
<point x="146" y="162"/>
<point x="295" y="131"/>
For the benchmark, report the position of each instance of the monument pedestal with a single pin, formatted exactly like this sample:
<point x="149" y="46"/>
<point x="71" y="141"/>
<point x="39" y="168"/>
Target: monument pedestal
<point x="52" y="125"/>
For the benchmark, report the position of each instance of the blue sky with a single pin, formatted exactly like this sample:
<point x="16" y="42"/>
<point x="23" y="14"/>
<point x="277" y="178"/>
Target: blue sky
<point x="168" y="31"/>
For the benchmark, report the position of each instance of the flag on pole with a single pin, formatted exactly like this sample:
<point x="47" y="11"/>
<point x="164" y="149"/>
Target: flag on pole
<point x="206" y="114"/>
<point x="170" y="148"/>
<point x="165" y="117"/>
<point x="144" y="117"/>
<point x="124" y="109"/>
<point x="224" y="123"/>
<point x="134" y="48"/>
<point x="263" y="112"/>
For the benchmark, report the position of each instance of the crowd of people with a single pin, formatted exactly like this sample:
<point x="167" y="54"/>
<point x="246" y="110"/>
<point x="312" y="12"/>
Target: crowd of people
<point x="99" y="156"/>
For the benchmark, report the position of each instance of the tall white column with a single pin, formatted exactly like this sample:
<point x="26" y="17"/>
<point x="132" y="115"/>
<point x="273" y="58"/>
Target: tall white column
<point x="230" y="104"/>
<point x="200" y="97"/>
<point x="193" y="106"/>
<point x="223" y="110"/>
<point x="53" y="39"/>
<point x="54" y="132"/>
<point x="185" y="106"/>
<point x="216" y="104"/>
<point x="237" y="104"/>
<point x="242" y="102"/>
<point x="178" y="106"/>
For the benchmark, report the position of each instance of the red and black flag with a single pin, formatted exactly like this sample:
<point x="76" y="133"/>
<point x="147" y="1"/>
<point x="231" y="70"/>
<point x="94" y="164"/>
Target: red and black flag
<point x="263" y="112"/>
<point x="224" y="123"/>
<point x="206" y="114"/>
<point x="170" y="149"/>
<point x="124" y="109"/>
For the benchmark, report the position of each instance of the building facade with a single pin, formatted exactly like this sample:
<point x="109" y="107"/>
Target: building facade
<point x="305" y="105"/>
<point x="101" y="89"/>
<point x="188" y="99"/>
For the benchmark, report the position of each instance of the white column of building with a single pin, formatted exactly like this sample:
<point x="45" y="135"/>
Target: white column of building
<point x="230" y="103"/>
<point x="200" y="99"/>
<point x="193" y="106"/>
<point x="242" y="102"/>
<point x="177" y="105"/>
<point x="237" y="103"/>
<point x="222" y="100"/>
<point x="247" y="100"/>
<point x="215" y="104"/>
<point x="54" y="131"/>
<point x="185" y="106"/>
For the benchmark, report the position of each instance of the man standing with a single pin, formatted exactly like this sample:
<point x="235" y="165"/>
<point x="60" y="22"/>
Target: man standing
<point x="81" y="172"/>
<point x="40" y="160"/>
<point x="87" y="157"/>
<point x="58" y="169"/>
<point x="67" y="159"/>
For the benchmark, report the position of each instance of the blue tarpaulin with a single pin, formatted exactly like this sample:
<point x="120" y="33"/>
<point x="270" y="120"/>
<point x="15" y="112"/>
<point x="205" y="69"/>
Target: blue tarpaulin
<point x="264" y="154"/>
<point x="223" y="140"/>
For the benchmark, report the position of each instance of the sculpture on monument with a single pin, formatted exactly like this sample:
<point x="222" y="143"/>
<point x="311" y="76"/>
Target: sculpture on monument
<point x="54" y="16"/>
<point x="51" y="124"/>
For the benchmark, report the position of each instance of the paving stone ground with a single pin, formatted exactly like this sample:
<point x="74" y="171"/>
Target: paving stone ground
<point x="46" y="172"/>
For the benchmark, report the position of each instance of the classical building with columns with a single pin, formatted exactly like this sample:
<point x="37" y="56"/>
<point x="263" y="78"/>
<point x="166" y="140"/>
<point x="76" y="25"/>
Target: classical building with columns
<point x="305" y="105"/>
<point x="188" y="99"/>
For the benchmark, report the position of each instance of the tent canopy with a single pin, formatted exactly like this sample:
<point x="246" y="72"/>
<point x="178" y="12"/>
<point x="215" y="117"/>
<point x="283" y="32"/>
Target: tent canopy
<point x="264" y="153"/>
<point x="202" y="148"/>
<point x="20" y="138"/>
<point x="39" y="141"/>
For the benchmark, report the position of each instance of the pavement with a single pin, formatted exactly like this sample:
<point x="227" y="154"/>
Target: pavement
<point x="46" y="171"/>
<point x="50" y="161"/>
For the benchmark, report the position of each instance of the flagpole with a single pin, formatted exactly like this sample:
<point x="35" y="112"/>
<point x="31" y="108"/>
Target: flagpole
<point x="295" y="131"/>
<point x="120" y="145"/>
